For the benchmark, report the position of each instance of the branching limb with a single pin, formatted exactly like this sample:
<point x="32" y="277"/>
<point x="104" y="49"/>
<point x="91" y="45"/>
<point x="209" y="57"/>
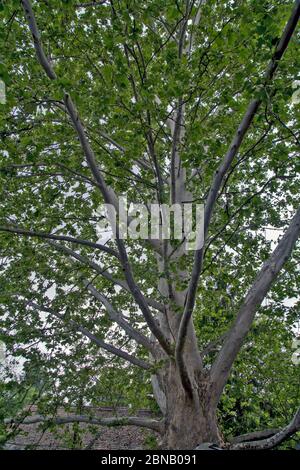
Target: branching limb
<point x="262" y="284"/>
<point x="217" y="182"/>
<point x="113" y="421"/>
<point x="103" y="272"/>
<point x="99" y="342"/>
<point x="45" y="63"/>
<point x="274" y="440"/>
<point x="255" y="435"/>
<point x="117" y="317"/>
<point x="50" y="236"/>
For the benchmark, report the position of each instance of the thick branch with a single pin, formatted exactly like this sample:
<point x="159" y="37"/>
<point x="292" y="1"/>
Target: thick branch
<point x="218" y="178"/>
<point x="108" y="194"/>
<point x="103" y="272"/>
<point x="255" y="435"/>
<point x="117" y="317"/>
<point x="99" y="342"/>
<point x="113" y="421"/>
<point x="262" y="284"/>
<point x="139" y="298"/>
<point x="45" y="63"/>
<point x="274" y="440"/>
<point x="50" y="236"/>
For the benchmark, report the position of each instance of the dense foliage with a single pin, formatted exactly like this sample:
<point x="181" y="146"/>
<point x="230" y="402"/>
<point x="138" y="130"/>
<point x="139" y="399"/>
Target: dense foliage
<point x="120" y="63"/>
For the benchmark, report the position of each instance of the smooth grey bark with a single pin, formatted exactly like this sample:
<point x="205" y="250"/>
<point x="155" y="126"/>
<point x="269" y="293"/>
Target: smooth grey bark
<point x="50" y="236"/>
<point x="153" y="424"/>
<point x="275" y="440"/>
<point x="102" y="272"/>
<point x="117" y="317"/>
<point x="98" y="341"/>
<point x="262" y="284"/>
<point x="45" y="63"/>
<point x="255" y="435"/>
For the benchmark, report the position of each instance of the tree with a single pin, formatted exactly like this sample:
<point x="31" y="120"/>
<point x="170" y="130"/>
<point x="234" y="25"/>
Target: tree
<point x="164" y="102"/>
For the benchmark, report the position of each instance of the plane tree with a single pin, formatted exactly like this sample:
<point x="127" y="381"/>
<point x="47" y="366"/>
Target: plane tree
<point x="164" y="103"/>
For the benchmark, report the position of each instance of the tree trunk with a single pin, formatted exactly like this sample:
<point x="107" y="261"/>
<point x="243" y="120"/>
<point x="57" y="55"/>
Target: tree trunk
<point x="190" y="421"/>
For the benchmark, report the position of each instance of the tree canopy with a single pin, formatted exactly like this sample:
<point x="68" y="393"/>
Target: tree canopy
<point x="161" y="101"/>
